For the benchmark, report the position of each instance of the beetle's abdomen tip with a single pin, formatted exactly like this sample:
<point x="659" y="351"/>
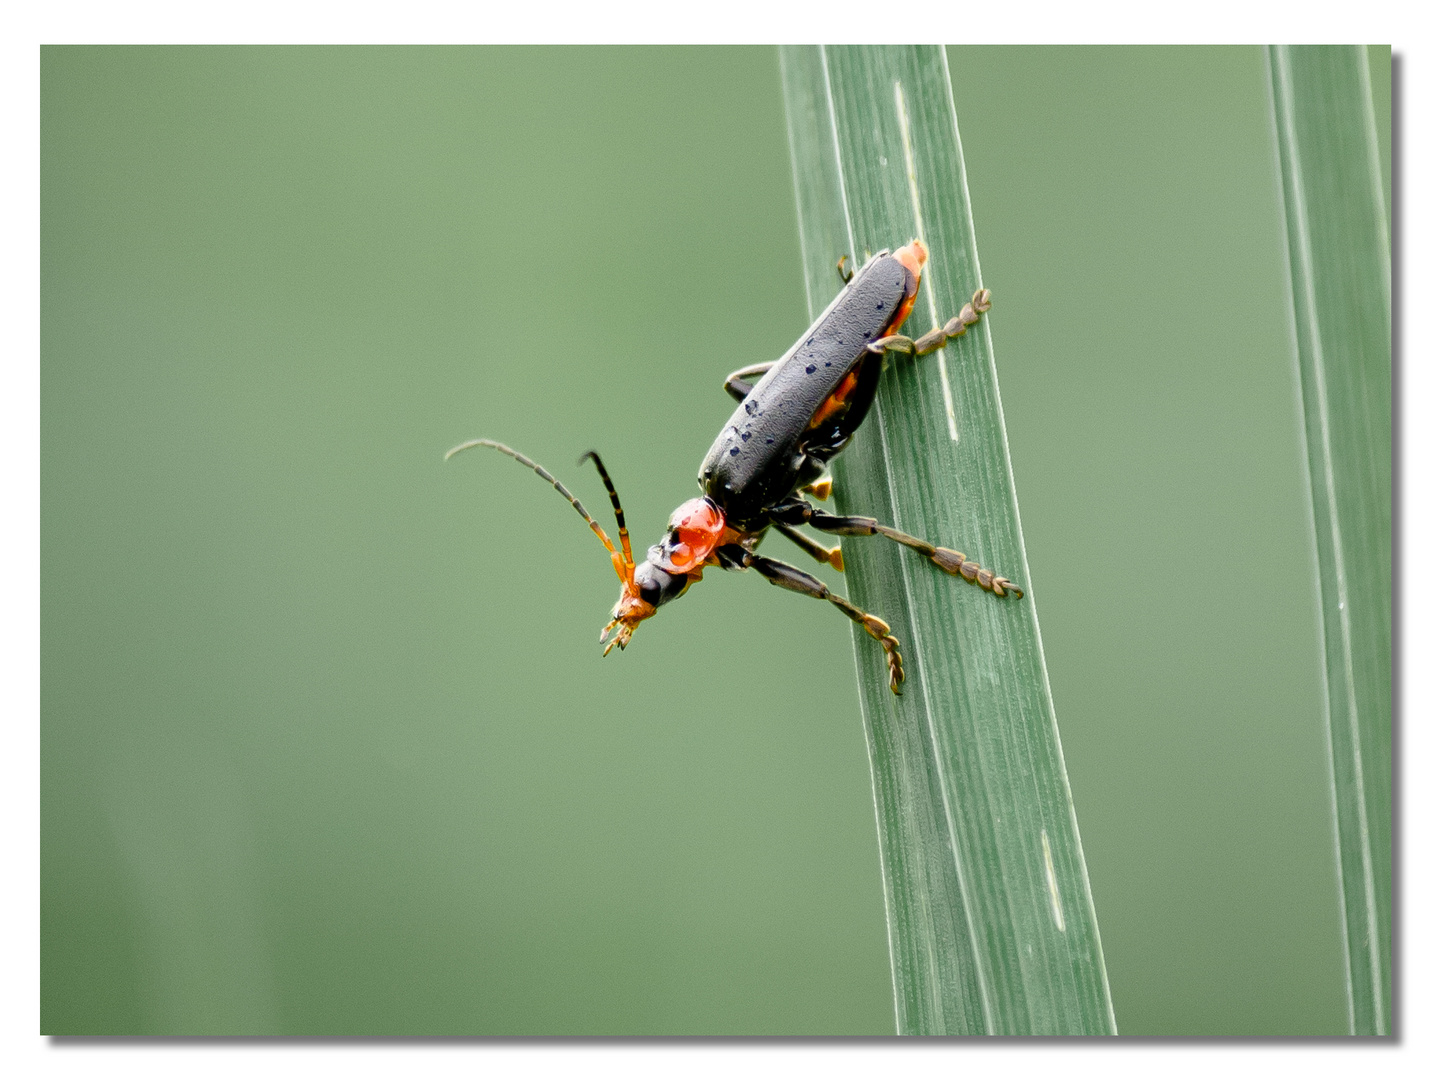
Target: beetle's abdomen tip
<point x="914" y="256"/>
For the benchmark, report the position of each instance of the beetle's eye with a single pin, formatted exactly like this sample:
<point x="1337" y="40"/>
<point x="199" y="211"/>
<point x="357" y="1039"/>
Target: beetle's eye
<point x="650" y="591"/>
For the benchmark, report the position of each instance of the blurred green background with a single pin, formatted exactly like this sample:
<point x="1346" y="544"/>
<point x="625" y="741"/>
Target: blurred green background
<point x="329" y="748"/>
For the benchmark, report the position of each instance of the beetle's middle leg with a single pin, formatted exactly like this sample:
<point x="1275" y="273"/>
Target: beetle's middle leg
<point x="940" y="336"/>
<point x="797" y="580"/>
<point x="947" y="559"/>
<point x="810" y="547"/>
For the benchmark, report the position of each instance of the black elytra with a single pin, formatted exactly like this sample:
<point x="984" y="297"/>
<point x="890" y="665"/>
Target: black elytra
<point x="768" y="449"/>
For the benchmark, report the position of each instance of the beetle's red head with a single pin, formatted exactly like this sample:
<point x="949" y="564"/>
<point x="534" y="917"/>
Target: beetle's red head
<point x="692" y="534"/>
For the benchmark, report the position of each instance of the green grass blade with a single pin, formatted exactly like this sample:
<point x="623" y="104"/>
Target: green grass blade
<point x="1340" y="276"/>
<point x="990" y="916"/>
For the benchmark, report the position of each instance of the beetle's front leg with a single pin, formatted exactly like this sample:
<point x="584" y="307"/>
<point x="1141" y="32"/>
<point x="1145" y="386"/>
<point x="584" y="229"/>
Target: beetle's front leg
<point x="939" y="337"/>
<point x="949" y="560"/>
<point x="797" y="580"/>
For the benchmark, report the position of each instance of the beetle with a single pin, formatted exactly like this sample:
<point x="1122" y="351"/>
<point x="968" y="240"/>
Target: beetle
<point x="776" y="447"/>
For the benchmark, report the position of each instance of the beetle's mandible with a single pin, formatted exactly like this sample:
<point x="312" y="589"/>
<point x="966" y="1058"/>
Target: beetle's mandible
<point x="775" y="448"/>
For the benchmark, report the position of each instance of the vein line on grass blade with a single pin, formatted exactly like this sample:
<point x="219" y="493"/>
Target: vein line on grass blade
<point x="903" y="114"/>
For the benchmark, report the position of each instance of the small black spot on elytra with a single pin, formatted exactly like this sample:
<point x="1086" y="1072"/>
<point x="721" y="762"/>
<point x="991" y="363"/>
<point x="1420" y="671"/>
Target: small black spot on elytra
<point x="745" y="436"/>
<point x="750" y="407"/>
<point x="880" y="306"/>
<point x="810" y="369"/>
<point x="769" y="441"/>
<point x="827" y="363"/>
<point x="735" y="450"/>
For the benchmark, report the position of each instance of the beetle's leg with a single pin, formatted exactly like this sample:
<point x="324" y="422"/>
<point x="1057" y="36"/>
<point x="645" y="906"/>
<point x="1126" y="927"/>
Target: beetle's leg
<point x="947" y="559"/>
<point x="736" y="382"/>
<point x="790" y="577"/>
<point x="811" y="548"/>
<point x="939" y="337"/>
<point x="845" y="275"/>
<point x="821" y="487"/>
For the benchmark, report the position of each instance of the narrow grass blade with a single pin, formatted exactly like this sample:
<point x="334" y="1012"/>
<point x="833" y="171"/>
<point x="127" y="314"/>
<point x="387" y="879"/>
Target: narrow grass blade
<point x="990" y="917"/>
<point x="1340" y="277"/>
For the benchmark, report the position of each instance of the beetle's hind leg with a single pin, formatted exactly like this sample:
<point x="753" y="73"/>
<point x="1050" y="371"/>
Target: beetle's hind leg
<point x="940" y="336"/>
<point x="738" y="384"/>
<point x="947" y="559"/>
<point x="797" y="580"/>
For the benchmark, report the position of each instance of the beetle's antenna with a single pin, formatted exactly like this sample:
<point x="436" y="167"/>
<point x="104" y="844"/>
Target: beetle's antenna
<point x="623" y="566"/>
<point x="616" y="503"/>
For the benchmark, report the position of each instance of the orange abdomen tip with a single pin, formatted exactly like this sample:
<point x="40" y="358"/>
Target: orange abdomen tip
<point x="913" y="255"/>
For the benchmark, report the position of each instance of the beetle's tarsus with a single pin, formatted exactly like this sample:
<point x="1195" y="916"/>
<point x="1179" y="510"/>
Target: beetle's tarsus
<point x="879" y="629"/>
<point x="845" y="275"/>
<point x="940" y="336"/>
<point x="954" y="563"/>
